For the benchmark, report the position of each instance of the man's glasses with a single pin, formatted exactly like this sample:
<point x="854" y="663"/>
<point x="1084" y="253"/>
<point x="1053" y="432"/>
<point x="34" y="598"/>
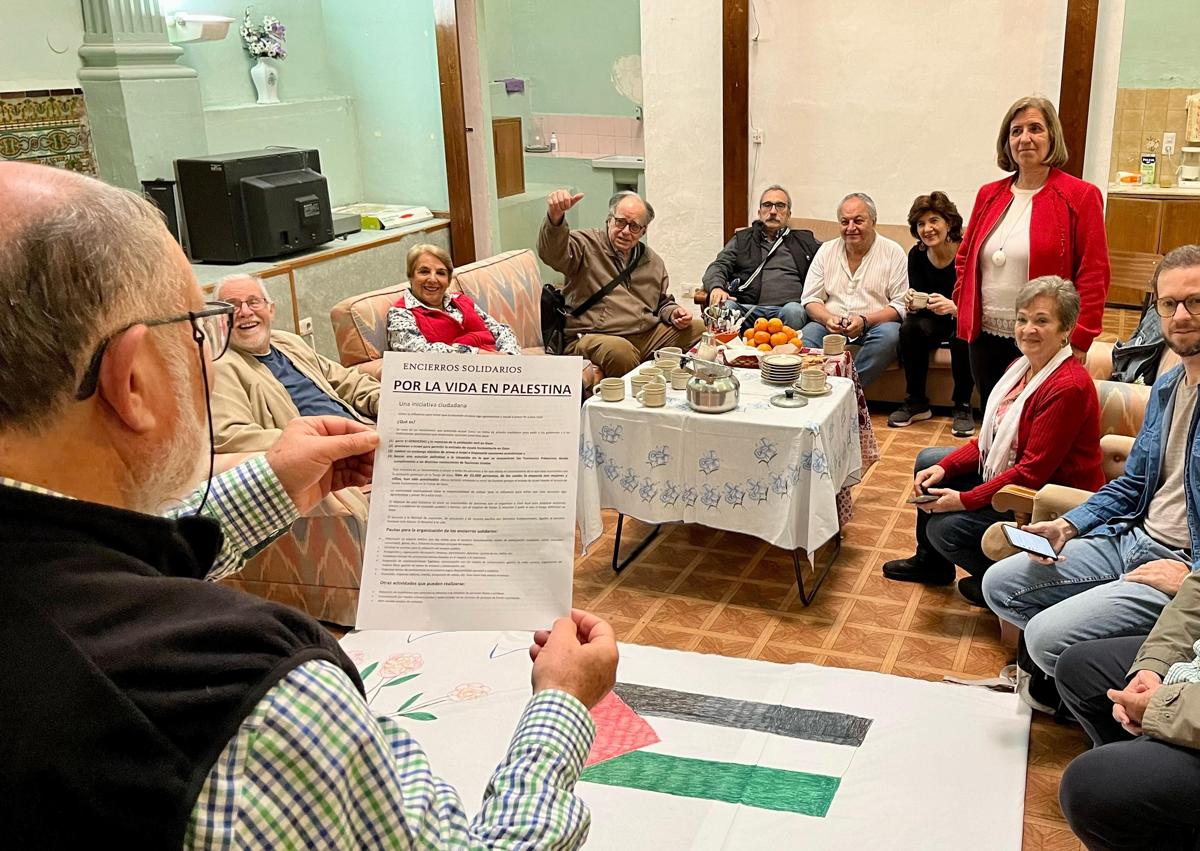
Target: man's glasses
<point x="209" y="327"/>
<point x="1165" y="307"/>
<point x="634" y="228"/>
<point x="254" y="303"/>
<point x="774" y="205"/>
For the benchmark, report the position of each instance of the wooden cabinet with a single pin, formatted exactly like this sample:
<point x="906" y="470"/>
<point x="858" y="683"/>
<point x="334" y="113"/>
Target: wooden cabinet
<point x="1151" y="225"/>
<point x="509" y="146"/>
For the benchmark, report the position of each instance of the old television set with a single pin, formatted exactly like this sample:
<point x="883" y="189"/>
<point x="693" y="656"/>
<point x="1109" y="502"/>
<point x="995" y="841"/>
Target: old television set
<point x="253" y="205"/>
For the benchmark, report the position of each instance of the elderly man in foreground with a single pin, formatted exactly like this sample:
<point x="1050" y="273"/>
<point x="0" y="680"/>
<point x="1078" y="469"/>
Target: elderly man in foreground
<point x="638" y="315"/>
<point x="270" y="377"/>
<point x="855" y="286"/>
<point x="143" y="704"/>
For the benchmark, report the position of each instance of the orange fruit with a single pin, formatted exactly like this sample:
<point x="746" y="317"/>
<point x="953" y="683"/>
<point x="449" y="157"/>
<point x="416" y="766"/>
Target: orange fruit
<point x="761" y="337"/>
<point x="787" y="329"/>
<point x="764" y="347"/>
<point x="749" y="335"/>
<point x="760" y="325"/>
<point x="779" y="338"/>
<point x="775" y="324"/>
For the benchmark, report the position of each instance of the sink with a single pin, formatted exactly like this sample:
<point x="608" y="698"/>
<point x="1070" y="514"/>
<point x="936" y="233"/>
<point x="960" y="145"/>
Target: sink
<point x="621" y="161"/>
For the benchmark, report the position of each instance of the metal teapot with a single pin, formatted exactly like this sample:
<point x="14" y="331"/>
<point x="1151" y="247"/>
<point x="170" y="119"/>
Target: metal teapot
<point x="713" y="387"/>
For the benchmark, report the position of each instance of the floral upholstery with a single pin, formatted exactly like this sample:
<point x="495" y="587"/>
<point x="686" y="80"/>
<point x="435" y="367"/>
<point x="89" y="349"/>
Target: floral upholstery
<point x="317" y="565"/>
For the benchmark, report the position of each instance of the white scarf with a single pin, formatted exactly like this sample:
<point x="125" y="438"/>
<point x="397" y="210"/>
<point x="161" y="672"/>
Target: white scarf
<point x="997" y="446"/>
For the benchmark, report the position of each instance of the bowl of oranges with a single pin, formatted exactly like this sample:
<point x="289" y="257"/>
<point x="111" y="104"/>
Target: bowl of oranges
<point x="767" y="335"/>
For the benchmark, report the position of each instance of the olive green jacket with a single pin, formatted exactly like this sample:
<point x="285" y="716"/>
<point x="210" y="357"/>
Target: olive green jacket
<point x="1174" y="711"/>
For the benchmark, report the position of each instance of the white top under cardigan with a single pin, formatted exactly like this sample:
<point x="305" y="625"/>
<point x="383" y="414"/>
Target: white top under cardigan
<point x="1000" y="285"/>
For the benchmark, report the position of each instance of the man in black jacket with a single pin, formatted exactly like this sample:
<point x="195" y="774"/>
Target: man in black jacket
<point x="762" y="268"/>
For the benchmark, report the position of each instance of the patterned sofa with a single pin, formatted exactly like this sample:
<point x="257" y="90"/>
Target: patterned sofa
<point x="507" y="286"/>
<point x="317" y="564"/>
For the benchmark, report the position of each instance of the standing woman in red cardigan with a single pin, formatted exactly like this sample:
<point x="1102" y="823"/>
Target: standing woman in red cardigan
<point x="1041" y="221"/>
<point x="1042" y="425"/>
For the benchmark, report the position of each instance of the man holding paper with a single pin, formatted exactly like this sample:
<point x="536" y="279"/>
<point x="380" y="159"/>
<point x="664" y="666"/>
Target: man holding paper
<point x="146" y="704"/>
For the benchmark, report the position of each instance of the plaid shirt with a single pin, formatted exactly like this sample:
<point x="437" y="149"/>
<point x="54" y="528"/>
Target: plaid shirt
<point x="311" y="768"/>
<point x="248" y="501"/>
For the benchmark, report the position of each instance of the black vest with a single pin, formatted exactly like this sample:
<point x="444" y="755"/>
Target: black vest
<point x="801" y="244"/>
<point x="124" y="674"/>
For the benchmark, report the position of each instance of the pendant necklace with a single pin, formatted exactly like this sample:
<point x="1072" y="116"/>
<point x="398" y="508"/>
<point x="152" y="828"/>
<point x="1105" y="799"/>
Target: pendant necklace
<point x="998" y="256"/>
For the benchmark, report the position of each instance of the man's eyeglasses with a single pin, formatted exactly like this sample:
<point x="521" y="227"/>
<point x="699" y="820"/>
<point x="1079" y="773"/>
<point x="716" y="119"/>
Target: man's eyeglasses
<point x="254" y="303"/>
<point x="209" y="327"/>
<point x="1165" y="307"/>
<point x="774" y="205"/>
<point x="634" y="228"/>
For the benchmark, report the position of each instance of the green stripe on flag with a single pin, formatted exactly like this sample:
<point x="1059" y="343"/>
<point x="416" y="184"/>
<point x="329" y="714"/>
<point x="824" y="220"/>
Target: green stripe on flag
<point x="734" y="783"/>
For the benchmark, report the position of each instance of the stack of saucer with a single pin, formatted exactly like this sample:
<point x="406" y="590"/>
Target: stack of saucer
<point x="780" y="369"/>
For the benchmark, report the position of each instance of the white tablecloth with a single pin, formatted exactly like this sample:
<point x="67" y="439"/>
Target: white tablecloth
<point x="763" y="470"/>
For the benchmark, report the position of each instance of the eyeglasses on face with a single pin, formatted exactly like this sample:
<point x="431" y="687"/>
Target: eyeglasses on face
<point x="210" y="327"/>
<point x="1165" y="307"/>
<point x="254" y="303"/>
<point x="634" y="228"/>
<point x="774" y="205"/>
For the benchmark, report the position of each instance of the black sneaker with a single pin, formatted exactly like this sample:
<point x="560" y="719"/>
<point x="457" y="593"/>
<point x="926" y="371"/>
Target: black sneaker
<point x="909" y="413"/>
<point x="917" y="569"/>
<point x="964" y="423"/>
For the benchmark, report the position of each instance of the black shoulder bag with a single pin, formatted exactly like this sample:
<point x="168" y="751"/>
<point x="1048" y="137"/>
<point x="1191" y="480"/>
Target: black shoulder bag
<point x="555" y="311"/>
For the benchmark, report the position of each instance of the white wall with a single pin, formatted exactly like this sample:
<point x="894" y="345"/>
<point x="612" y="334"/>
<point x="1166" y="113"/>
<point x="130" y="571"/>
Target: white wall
<point x="681" y="72"/>
<point x="39" y="44"/>
<point x="893" y="99"/>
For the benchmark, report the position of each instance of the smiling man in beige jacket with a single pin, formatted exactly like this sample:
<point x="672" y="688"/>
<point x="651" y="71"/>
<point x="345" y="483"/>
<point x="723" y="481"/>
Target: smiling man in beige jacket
<point x="269" y="378"/>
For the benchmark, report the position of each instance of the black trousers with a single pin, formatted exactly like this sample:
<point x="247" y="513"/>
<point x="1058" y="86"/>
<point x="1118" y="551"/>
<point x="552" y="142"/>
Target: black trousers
<point x="1126" y="793"/>
<point x="990" y="356"/>
<point x="921" y="332"/>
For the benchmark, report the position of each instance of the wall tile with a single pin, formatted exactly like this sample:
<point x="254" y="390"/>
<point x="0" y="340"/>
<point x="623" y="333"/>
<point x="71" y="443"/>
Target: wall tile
<point x="1130" y="119"/>
<point x="1135" y="98"/>
<point x="1179" y="98"/>
<point x="1177" y="118"/>
<point x="1157" y="98"/>
<point x="1129" y="140"/>
<point x="606" y="145"/>
<point x="1154" y="121"/>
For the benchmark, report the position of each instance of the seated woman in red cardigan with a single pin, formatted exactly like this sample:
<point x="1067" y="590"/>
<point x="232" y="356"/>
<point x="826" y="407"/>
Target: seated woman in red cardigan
<point x="427" y="319"/>
<point x="1041" y="425"/>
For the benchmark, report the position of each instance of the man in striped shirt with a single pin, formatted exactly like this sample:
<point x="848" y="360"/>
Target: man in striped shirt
<point x="144" y="704"/>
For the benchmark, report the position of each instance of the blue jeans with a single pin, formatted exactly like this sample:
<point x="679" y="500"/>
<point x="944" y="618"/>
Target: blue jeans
<point x="790" y="314"/>
<point x="1082" y="597"/>
<point x="880" y="346"/>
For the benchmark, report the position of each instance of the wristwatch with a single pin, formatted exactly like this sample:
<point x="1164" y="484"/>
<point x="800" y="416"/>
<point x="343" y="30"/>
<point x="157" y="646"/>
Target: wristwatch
<point x="866" y="324"/>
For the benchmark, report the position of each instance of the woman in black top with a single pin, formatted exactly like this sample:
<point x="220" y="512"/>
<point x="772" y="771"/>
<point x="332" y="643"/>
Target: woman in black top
<point x="935" y="222"/>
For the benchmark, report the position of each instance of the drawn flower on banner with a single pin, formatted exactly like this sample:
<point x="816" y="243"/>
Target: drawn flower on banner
<point x="765" y="452"/>
<point x="630" y="480"/>
<point x="779" y="483"/>
<point x="400" y="664"/>
<point x="758" y="490"/>
<point x="357" y="657"/>
<point x="658" y="457"/>
<point x="690" y="494"/>
<point x="610" y="433"/>
<point x="611" y="470"/>
<point x="711" y="497"/>
<point x="709" y="463"/>
<point x="735" y="494"/>
<point x="648" y="490"/>
<point x="469" y="691"/>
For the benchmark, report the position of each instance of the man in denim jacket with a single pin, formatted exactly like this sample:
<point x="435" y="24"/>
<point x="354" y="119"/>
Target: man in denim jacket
<point x="1125" y="552"/>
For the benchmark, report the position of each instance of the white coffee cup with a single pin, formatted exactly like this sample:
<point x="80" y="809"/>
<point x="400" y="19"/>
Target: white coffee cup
<point x="834" y="344"/>
<point x="612" y="389"/>
<point x="651" y="371"/>
<point x="679" y="378"/>
<point x="918" y="301"/>
<point x="653" y="394"/>
<point x="637" y="381"/>
<point x="812" y="380"/>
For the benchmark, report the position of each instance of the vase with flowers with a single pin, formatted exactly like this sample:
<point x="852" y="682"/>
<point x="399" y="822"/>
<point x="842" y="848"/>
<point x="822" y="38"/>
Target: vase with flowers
<point x="264" y="41"/>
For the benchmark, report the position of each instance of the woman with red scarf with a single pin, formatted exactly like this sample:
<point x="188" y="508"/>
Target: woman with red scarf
<point x="428" y="319"/>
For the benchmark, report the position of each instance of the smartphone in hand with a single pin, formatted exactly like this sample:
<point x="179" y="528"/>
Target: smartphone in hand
<point x="1030" y="543"/>
<point x="922" y="499"/>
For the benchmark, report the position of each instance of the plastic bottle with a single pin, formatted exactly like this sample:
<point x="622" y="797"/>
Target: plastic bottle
<point x="1148" y="169"/>
<point x="553" y="141"/>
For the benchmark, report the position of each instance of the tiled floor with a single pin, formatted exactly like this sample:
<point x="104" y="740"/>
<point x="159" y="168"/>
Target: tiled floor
<point x="717" y="592"/>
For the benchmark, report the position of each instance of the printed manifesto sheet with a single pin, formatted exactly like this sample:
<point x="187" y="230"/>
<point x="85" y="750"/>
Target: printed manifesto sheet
<point x="473" y="503"/>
